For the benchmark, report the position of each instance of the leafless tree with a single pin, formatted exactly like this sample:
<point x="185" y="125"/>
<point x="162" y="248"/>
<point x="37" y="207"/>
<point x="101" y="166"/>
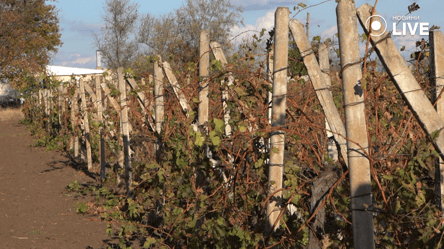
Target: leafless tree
<point x="117" y="41"/>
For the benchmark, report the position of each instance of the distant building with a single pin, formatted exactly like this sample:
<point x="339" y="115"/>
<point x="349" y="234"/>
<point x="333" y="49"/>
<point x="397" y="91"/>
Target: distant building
<point x="62" y="73"/>
<point x="65" y="73"/>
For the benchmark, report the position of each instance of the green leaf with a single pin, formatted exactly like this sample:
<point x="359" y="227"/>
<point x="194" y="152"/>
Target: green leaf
<point x="420" y="198"/>
<point x="364" y="37"/>
<point x="149" y="242"/>
<point x="82" y="208"/>
<point x="214" y="138"/>
<point x="220" y="125"/>
<point x="409" y="187"/>
<point x="397" y="206"/>
<point x="387" y="177"/>
<point x="296" y="199"/>
<point x="275" y="150"/>
<point x="435" y="134"/>
<point x="338" y="52"/>
<point x="109" y="230"/>
<point x="199" y="139"/>
<point x="242" y="127"/>
<point x="259" y="163"/>
<point x="262" y="32"/>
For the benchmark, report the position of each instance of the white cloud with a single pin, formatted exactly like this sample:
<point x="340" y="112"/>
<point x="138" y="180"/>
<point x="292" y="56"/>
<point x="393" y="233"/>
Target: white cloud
<point x="408" y="40"/>
<point x="329" y="33"/>
<point x="266" y="22"/>
<point x="76" y="60"/>
<point x="264" y="4"/>
<point x="82" y="60"/>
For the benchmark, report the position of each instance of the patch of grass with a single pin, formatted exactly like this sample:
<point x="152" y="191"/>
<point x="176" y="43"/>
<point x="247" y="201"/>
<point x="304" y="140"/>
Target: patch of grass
<point x="34" y="232"/>
<point x="9" y="114"/>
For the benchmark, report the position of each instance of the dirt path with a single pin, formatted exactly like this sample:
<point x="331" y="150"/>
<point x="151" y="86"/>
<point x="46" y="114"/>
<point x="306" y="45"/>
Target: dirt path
<point x="35" y="211"/>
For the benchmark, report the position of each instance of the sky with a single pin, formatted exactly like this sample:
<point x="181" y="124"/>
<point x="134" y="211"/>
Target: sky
<point x="81" y="19"/>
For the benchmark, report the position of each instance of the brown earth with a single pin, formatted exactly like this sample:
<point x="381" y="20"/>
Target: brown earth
<point x="35" y="209"/>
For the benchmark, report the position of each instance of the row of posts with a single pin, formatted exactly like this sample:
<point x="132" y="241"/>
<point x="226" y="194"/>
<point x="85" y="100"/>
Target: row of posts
<point x="351" y="137"/>
<point x="355" y="149"/>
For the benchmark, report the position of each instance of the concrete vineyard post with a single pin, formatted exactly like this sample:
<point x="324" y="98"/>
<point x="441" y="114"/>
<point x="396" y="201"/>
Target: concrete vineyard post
<point x="60" y="104"/>
<point x="176" y="88"/>
<point x="358" y="162"/>
<point x="125" y="129"/>
<point x="219" y="55"/>
<point x="75" y="110"/>
<point x="324" y="64"/>
<point x="436" y="40"/>
<point x="100" y="120"/>
<point x="275" y="176"/>
<point x="142" y="99"/>
<point x="270" y="78"/>
<point x="204" y="71"/>
<point x="147" y="102"/>
<point x="404" y="80"/>
<point x="86" y="125"/>
<point x="322" y="90"/>
<point x="159" y="102"/>
<point x="110" y="98"/>
<point x="46" y="100"/>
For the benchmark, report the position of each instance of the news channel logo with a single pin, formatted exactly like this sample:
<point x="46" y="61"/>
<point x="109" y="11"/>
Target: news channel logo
<point x="377" y="23"/>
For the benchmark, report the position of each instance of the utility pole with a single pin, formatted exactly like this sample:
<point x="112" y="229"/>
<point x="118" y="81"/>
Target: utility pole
<point x="307" y="25"/>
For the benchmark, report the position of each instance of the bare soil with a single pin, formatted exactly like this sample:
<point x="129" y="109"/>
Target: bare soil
<point x="35" y="209"/>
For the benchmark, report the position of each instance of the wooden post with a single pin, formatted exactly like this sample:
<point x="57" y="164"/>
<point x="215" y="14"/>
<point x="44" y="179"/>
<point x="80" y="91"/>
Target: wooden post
<point x="324" y="64"/>
<point x="100" y="120"/>
<point x="159" y="103"/>
<point x="125" y="129"/>
<point x="307" y="25"/>
<point x="322" y="90"/>
<point x="86" y="124"/>
<point x="359" y="165"/>
<point x="276" y="169"/>
<point x="404" y="80"/>
<point x="436" y="40"/>
<point x="204" y="72"/>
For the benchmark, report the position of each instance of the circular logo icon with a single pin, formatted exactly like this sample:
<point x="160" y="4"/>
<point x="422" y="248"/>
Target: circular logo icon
<point x="376" y="24"/>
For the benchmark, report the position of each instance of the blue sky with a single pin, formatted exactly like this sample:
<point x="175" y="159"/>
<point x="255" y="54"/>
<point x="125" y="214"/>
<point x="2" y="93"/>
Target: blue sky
<point x="81" y="18"/>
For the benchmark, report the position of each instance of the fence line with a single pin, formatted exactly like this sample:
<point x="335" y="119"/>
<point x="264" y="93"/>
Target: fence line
<point x="353" y="152"/>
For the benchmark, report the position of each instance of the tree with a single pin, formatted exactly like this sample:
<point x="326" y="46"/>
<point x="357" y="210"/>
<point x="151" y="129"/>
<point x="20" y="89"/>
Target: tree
<point x="158" y="34"/>
<point x="177" y="34"/>
<point x="218" y="16"/>
<point x="29" y="35"/>
<point x="116" y="41"/>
